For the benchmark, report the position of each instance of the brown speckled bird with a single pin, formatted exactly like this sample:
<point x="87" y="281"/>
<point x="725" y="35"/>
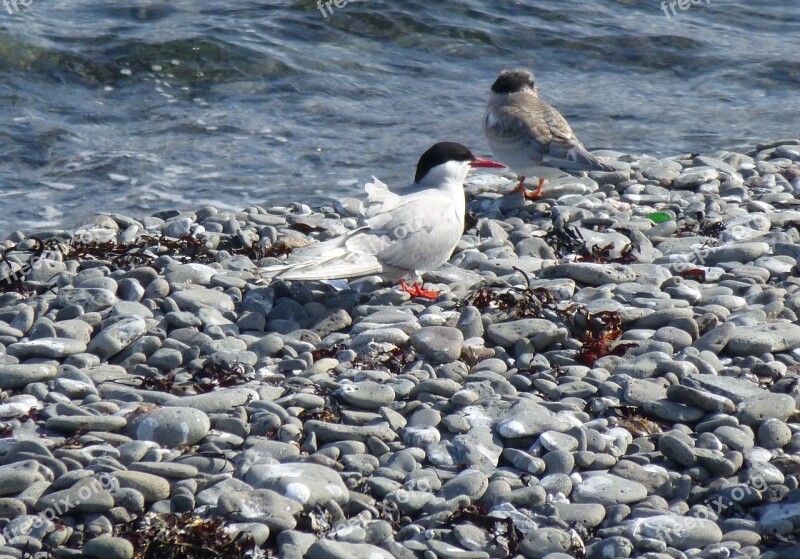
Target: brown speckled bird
<point x="530" y="136"/>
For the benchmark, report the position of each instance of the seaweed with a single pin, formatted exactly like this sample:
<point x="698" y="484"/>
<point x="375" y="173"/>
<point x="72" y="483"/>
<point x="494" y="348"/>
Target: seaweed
<point x="517" y="302"/>
<point x="503" y="531"/>
<point x="695" y="274"/>
<point x="326" y="352"/>
<point x="577" y="535"/>
<point x="326" y="414"/>
<point x="567" y="240"/>
<point x="7" y="429"/>
<point x="185" y="536"/>
<point x="205" y="379"/>
<point x="602" y="330"/>
<point x="71" y="442"/>
<point x="701" y="226"/>
<point x="15" y="280"/>
<point x="213" y="375"/>
<point x="470" y="220"/>
<point x="597" y="332"/>
<point x="255" y="251"/>
<point x="602" y="255"/>
<point x="394" y="361"/>
<point x="141" y="252"/>
<point x="629" y="418"/>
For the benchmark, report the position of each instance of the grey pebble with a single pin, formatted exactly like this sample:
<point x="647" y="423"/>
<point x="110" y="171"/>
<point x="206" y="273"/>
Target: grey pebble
<point x="441" y="344"/>
<point x="171" y="426"/>
<point x="108" y="547"/>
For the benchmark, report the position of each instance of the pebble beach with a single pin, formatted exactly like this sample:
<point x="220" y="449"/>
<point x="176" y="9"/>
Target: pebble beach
<point x="610" y="371"/>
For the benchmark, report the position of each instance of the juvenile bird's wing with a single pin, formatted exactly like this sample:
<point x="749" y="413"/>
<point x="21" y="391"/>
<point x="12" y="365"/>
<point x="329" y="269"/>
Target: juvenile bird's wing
<point x="544" y="135"/>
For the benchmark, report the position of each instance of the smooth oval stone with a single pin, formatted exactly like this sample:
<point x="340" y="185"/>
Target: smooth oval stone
<point x="171" y="426"/>
<point x="17" y="376"/>
<point x="108" y="547"/>
<point x="607" y="489"/>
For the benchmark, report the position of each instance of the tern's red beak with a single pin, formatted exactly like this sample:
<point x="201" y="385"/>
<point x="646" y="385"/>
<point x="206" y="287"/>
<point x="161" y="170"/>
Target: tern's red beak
<point x="480" y="162"/>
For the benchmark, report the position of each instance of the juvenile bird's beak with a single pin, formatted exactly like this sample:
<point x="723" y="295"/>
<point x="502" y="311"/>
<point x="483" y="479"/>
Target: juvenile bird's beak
<point x="480" y="162"/>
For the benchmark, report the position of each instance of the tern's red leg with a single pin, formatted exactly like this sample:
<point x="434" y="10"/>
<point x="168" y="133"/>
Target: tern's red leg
<point x="417" y="291"/>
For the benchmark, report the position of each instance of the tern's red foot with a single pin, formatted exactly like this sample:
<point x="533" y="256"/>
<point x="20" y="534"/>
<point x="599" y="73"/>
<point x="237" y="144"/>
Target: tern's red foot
<point x="417" y="291"/>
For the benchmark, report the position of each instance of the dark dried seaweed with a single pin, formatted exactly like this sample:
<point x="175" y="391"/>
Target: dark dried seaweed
<point x="327" y="352"/>
<point x="186" y="536"/>
<point x="256" y="251"/>
<point x="502" y="531"/>
<point x="213" y="375"/>
<point x="695" y="274"/>
<point x="394" y="361"/>
<point x="597" y="332"/>
<point x="701" y="226"/>
<point x="567" y="240"/>
<point x="516" y="302"/>
<point x="141" y="252"/>
<point x="205" y="379"/>
<point x="15" y="280"/>
<point x="629" y="418"/>
<point x="602" y="330"/>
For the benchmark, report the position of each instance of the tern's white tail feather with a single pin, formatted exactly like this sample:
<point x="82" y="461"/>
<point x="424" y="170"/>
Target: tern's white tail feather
<point x="350" y="256"/>
<point x="334" y="266"/>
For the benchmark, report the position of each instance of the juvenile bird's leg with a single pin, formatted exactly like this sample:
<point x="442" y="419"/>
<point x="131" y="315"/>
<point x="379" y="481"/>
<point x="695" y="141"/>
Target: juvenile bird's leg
<point x="527" y="193"/>
<point x="520" y="186"/>
<point x="535" y="195"/>
<point x="417" y="291"/>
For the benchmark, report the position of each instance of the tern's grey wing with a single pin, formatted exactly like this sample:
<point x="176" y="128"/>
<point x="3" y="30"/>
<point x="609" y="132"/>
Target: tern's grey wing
<point x="541" y="132"/>
<point x="419" y="234"/>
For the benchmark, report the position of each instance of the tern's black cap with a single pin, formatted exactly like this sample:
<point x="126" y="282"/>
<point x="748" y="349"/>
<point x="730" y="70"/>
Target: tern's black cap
<point x="511" y="81"/>
<point x="442" y="153"/>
